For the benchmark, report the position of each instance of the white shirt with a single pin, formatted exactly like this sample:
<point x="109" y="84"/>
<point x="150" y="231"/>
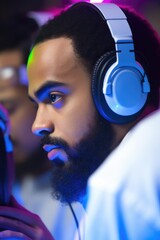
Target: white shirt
<point x="124" y="193"/>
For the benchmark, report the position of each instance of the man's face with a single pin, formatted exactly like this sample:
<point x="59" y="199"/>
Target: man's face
<point x="66" y="116"/>
<point x="21" y="111"/>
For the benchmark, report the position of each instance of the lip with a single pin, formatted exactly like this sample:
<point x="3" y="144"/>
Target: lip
<point x="55" y="152"/>
<point x="49" y="147"/>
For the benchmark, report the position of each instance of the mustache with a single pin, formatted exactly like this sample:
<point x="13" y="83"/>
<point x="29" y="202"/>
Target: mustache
<point x="61" y="143"/>
<point x="55" y="141"/>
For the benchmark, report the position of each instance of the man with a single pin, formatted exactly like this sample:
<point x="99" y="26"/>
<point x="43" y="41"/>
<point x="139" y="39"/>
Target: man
<point x="66" y="70"/>
<point x="32" y="186"/>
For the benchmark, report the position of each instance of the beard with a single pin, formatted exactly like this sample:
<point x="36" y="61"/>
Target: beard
<point x="69" y="179"/>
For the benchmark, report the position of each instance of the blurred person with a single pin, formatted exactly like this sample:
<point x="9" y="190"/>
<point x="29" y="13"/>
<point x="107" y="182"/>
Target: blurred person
<point x="32" y="185"/>
<point x="16" y="34"/>
<point x="92" y="79"/>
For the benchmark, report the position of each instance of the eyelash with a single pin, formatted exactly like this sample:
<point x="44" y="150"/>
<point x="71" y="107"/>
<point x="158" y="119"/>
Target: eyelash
<point x="57" y="97"/>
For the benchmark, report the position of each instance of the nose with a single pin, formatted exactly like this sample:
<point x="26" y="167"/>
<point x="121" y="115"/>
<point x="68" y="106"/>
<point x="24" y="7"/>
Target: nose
<point x="42" y="124"/>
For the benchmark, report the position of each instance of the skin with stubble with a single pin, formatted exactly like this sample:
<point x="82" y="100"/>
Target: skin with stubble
<point x="76" y="138"/>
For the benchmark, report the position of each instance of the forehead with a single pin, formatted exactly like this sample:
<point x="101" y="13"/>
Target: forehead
<point x="11" y="58"/>
<point x="53" y="59"/>
<point x="10" y="93"/>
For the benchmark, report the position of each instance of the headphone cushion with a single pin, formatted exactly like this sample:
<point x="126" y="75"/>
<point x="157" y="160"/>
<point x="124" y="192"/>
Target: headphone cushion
<point x="100" y="68"/>
<point x="99" y="73"/>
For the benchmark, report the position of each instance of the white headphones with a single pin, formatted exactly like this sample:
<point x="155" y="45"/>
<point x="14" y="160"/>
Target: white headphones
<point x="120" y="85"/>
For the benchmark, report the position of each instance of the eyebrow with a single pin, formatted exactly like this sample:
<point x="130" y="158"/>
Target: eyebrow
<point x="46" y="87"/>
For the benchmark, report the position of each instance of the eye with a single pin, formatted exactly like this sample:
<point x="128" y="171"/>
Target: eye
<point x="11" y="109"/>
<point x="11" y="106"/>
<point x="55" y="97"/>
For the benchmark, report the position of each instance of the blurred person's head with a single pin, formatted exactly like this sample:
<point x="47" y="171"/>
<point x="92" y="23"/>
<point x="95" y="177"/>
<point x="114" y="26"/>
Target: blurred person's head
<point x="16" y="36"/>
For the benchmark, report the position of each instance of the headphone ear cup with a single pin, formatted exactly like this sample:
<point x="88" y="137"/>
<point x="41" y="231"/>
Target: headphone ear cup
<point x="99" y="71"/>
<point x="119" y="89"/>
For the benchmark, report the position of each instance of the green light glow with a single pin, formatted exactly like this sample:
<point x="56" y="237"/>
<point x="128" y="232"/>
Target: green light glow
<point x="30" y="58"/>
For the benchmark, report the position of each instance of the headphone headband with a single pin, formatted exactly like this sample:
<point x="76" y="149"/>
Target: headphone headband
<point x="115" y="18"/>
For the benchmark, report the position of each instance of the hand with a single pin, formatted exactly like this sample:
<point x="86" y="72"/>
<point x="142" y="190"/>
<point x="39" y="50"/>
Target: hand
<point x="21" y="224"/>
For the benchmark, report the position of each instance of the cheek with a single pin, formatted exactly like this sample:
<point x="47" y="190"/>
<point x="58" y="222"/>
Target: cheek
<point x="76" y="122"/>
<point x="21" y="123"/>
<point x="15" y="123"/>
<point x="22" y="134"/>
